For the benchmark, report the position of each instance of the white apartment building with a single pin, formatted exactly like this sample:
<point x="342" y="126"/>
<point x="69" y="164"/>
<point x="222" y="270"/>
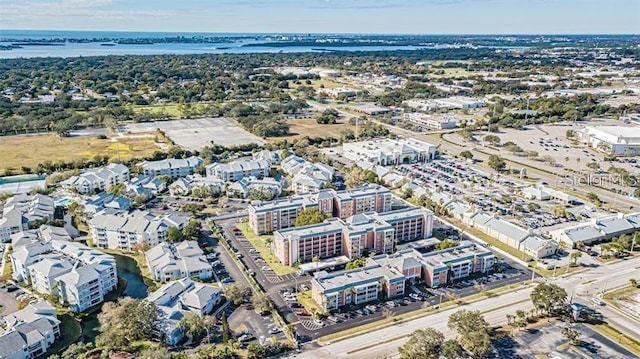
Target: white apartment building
<point x="97" y="179"/>
<point x="22" y="210"/>
<point x="183" y="260"/>
<point x="387" y="152"/>
<point x="172" y="167"/>
<point x="124" y="231"/>
<point x="237" y="170"/>
<point x="174" y="300"/>
<point x="30" y="332"/>
<point x="614" y="140"/>
<point x="308" y="177"/>
<point x="184" y="186"/>
<point x="76" y="274"/>
<point x="244" y="187"/>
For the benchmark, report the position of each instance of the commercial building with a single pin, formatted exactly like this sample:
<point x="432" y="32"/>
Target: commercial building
<point x="386" y="275"/>
<point x="354" y="236"/>
<point x="21" y="211"/>
<point x="266" y="217"/>
<point x="340" y="92"/>
<point x="388" y="152"/>
<point x="454" y="102"/>
<point x="598" y="229"/>
<point x="237" y="170"/>
<point x="174" y="261"/>
<point x="97" y="179"/>
<point x="174" y="300"/>
<point x="521" y="239"/>
<point x="172" y="167"/>
<point x="613" y="140"/>
<point x="125" y="231"/>
<point x="76" y="274"/>
<point x="438" y="122"/>
<point x="29" y="332"/>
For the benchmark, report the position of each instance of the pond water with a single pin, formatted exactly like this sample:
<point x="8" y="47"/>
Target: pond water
<point x="128" y="269"/>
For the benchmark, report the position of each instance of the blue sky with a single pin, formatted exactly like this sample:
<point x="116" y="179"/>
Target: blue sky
<point x="327" y="16"/>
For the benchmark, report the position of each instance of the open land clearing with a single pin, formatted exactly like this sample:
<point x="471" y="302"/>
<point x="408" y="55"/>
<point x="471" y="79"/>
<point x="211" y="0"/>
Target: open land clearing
<point x="29" y="150"/>
<point x="309" y="127"/>
<point x="198" y="133"/>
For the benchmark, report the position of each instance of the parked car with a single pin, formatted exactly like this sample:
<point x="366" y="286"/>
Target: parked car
<point x="227" y="280"/>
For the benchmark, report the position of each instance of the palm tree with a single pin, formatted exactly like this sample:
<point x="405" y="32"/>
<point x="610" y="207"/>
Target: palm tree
<point x="268" y="241"/>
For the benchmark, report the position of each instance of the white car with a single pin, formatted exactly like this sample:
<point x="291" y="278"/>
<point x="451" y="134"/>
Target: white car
<point x="597" y="301"/>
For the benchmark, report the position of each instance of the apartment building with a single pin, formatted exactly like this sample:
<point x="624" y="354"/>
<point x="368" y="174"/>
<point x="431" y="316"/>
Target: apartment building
<point x="29" y="332"/>
<point x="388" y="152"/>
<point x="237" y="170"/>
<point x="175" y="299"/>
<point x="267" y="187"/>
<point x="97" y="179"/>
<point x="307" y="177"/>
<point x="267" y="217"/>
<point x="184" y="186"/>
<point x="353" y="237"/>
<point x="385" y="275"/>
<point x="172" y="167"/>
<point x="77" y="275"/>
<point x="183" y="260"/>
<point x="125" y="231"/>
<point x="22" y="210"/>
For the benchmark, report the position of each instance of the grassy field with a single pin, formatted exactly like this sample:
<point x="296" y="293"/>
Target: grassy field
<point x="309" y="127"/>
<point x="316" y="84"/>
<point x="259" y="243"/>
<point x="172" y="109"/>
<point x="18" y="151"/>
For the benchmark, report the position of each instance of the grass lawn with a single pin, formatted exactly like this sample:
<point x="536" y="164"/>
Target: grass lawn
<point x="316" y="84"/>
<point x="141" y="262"/>
<point x="8" y="269"/>
<point x="307" y="302"/>
<point x="259" y="243"/>
<point x="612" y="333"/>
<point x="69" y="333"/>
<point x="29" y="150"/>
<point x="309" y="127"/>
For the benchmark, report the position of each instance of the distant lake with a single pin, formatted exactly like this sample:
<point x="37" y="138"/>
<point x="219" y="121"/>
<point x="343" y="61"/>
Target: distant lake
<point x="97" y="49"/>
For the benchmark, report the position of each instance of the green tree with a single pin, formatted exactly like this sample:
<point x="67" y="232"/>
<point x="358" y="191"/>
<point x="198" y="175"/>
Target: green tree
<point x="466" y="155"/>
<point x="309" y="216"/>
<point x="496" y="163"/>
<point x="261" y="303"/>
<point x="422" y="344"/>
<point x="192" y="324"/>
<point x="451" y="349"/>
<point x="237" y="293"/>
<point x="472" y="329"/>
<point x="572" y="335"/>
<point x="447" y="243"/>
<point x="174" y="235"/>
<point x="548" y="297"/>
<point x="492" y="139"/>
<point x="227" y="333"/>
<point x="218" y="352"/>
<point x="124" y="321"/>
<point x="356" y="263"/>
<point x="192" y="230"/>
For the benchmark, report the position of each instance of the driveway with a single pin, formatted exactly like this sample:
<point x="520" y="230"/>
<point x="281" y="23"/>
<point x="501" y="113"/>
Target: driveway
<point x="8" y="301"/>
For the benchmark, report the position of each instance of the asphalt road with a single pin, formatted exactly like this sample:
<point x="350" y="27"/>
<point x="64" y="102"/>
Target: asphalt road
<point x="584" y="285"/>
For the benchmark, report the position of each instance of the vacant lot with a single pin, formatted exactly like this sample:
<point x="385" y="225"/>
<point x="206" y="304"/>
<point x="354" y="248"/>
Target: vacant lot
<point x="309" y="127"/>
<point x="174" y="111"/>
<point x="197" y="133"/>
<point x="29" y="150"/>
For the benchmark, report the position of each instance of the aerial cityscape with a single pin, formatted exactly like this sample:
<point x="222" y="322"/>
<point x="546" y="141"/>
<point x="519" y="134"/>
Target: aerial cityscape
<point x="319" y="179"/>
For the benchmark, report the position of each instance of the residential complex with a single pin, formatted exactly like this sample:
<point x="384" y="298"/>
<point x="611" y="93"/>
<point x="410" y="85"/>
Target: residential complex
<point x="174" y="261"/>
<point x="125" y="231"/>
<point x="97" y="179"/>
<point x="172" y="167"/>
<point x="386" y="275"/>
<point x="184" y="186"/>
<point x="237" y="170"/>
<point x="368" y="232"/>
<point x="614" y="140"/>
<point x="307" y="177"/>
<point x="175" y="299"/>
<point x="388" y="152"/>
<point x="267" y="217"/>
<point x="77" y="275"/>
<point x="29" y="332"/>
<point x="23" y="210"/>
<point x="267" y="187"/>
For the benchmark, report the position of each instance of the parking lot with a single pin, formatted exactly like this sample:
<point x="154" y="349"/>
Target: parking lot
<point x="10" y="295"/>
